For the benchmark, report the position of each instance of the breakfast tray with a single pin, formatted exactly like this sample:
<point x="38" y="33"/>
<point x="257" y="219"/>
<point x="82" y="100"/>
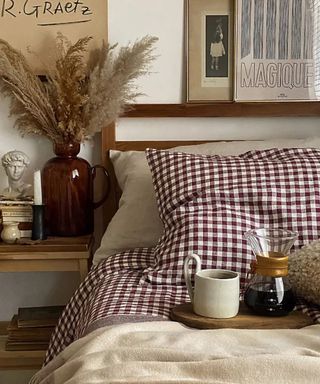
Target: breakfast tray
<point x="244" y="320"/>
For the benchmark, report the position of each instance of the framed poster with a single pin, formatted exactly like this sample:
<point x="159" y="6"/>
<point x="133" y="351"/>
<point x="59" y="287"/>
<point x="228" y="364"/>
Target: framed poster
<point x="275" y="51"/>
<point x="27" y="24"/>
<point x="209" y="50"/>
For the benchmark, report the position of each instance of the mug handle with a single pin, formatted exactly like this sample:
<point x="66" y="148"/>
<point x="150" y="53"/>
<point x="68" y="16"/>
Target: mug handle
<point x="187" y="276"/>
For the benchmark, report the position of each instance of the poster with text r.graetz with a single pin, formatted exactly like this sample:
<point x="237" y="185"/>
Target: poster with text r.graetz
<point x="31" y="25"/>
<point x="277" y="50"/>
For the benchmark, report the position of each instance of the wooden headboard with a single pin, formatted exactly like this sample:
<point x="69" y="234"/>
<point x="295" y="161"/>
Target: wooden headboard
<point x="218" y="109"/>
<point x="108" y="142"/>
<point x="204" y="110"/>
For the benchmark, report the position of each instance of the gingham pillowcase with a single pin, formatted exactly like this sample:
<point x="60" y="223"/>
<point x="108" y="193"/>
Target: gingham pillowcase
<point x="207" y="203"/>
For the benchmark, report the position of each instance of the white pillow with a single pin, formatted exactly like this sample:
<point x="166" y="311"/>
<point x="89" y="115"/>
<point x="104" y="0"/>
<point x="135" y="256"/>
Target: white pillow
<point x="137" y="223"/>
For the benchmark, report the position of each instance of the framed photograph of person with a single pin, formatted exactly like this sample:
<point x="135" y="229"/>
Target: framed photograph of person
<point x="209" y="38"/>
<point x="277" y="51"/>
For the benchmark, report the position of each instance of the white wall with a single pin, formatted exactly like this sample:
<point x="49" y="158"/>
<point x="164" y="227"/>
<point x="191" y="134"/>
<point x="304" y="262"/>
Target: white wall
<point x="131" y="19"/>
<point x="128" y="20"/>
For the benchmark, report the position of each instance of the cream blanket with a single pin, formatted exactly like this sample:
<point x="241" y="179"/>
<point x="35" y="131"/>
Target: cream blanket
<point x="168" y="352"/>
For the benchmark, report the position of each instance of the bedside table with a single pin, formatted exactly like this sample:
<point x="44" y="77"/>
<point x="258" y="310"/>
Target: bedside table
<point x="54" y="254"/>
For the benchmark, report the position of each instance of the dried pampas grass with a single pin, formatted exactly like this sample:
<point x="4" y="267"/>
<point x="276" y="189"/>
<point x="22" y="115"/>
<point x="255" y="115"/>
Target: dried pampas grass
<point x="79" y="98"/>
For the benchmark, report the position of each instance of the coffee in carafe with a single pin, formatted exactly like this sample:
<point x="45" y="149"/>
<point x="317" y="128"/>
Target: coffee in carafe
<point x="268" y="291"/>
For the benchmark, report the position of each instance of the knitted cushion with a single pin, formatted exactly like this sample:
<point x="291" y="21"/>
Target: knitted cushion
<point x="207" y="203"/>
<point x="304" y="272"/>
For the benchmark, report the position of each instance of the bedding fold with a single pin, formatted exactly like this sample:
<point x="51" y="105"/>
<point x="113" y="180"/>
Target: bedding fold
<point x="168" y="352"/>
<point x="113" y="293"/>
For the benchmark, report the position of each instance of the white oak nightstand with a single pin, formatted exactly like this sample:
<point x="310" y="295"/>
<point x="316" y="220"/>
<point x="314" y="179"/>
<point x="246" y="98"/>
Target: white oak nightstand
<point x="53" y="254"/>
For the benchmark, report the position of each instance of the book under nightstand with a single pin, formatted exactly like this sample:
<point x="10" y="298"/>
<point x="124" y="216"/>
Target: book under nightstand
<point x="53" y="254"/>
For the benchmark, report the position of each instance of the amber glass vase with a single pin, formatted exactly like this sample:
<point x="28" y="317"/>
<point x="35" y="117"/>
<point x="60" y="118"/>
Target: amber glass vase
<point x="67" y="183"/>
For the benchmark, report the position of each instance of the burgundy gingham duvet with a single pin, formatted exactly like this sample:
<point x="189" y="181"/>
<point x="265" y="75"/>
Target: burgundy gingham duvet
<point x="266" y="188"/>
<point x="114" y="292"/>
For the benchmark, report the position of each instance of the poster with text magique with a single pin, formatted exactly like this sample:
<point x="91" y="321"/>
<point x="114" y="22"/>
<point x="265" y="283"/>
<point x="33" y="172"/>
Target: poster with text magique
<point x="277" y="53"/>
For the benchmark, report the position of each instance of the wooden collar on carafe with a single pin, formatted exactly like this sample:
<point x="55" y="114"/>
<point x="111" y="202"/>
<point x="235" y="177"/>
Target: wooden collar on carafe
<point x="274" y="264"/>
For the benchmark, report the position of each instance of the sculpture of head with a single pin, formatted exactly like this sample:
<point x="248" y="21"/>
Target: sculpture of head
<point x="15" y="163"/>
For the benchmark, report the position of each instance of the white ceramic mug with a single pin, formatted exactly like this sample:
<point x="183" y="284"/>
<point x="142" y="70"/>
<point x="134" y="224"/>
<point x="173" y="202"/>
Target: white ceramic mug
<point x="216" y="291"/>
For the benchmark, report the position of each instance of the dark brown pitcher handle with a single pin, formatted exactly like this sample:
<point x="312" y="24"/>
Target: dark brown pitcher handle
<point x="106" y="194"/>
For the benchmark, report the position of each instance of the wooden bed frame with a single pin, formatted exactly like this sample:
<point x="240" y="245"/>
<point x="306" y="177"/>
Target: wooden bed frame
<point x="108" y="142"/>
<point x="212" y="109"/>
<point x="218" y="109"/>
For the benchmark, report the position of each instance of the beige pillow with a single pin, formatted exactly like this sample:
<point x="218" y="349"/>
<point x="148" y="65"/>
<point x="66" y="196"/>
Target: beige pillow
<point x="136" y="223"/>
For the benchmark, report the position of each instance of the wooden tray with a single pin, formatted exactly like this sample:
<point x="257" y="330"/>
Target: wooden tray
<point x="244" y="320"/>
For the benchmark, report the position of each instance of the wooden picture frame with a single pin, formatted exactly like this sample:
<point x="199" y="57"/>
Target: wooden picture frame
<point x="275" y="48"/>
<point x="209" y="46"/>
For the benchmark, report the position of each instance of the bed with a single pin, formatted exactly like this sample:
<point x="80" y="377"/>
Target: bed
<point x="116" y="327"/>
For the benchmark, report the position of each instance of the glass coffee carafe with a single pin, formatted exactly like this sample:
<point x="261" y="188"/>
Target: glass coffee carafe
<point x="268" y="291"/>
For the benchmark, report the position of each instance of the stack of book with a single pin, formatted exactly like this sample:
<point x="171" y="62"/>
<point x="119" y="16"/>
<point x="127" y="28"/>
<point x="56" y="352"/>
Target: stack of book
<point x="19" y="211"/>
<point x="32" y="327"/>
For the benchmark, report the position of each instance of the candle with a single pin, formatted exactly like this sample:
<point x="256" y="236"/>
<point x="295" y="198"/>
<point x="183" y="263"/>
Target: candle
<point x="37" y="188"/>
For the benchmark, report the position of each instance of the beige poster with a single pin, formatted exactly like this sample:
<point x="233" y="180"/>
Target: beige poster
<point x="277" y="50"/>
<point x="35" y="23"/>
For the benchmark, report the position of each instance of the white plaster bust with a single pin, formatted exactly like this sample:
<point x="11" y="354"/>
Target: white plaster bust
<point x="15" y="163"/>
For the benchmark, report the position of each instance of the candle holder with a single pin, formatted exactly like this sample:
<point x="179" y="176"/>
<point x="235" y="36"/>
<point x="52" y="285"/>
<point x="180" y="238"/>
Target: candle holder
<point x="38" y="231"/>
